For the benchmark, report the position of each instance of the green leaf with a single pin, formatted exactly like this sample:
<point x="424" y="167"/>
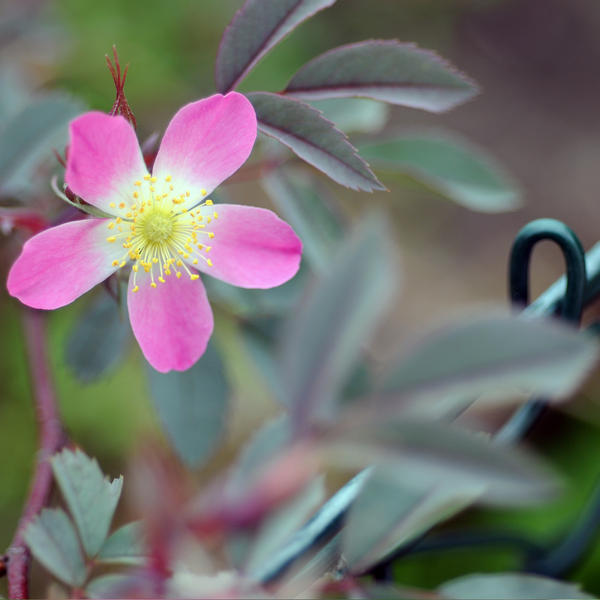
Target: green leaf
<point x="307" y="212"/>
<point x="490" y="355"/>
<point x="90" y="496"/>
<point x="429" y="453"/>
<point x="280" y="525"/>
<point x="510" y="586"/>
<point x="108" y="586"/>
<point x="388" y="512"/>
<point x="385" y="70"/>
<point x="326" y="336"/>
<point x="192" y="406"/>
<point x="354" y="114"/>
<point x="52" y="540"/>
<point x="314" y="139"/>
<point x="255" y="29"/>
<point x="98" y="339"/>
<point x="449" y="165"/>
<point x="29" y="136"/>
<point x="124" y="546"/>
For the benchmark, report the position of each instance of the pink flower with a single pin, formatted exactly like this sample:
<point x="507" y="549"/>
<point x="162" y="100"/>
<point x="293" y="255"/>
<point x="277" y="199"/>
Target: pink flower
<point x="163" y="225"/>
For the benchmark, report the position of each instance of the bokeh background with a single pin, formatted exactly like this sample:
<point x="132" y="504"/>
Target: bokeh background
<point x="538" y="63"/>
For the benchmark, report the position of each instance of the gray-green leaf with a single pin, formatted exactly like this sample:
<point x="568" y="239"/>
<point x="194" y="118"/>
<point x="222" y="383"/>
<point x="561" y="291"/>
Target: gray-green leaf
<point x="326" y="336"/>
<point x="254" y="30"/>
<point x="98" y="339"/>
<point x="29" y="136"/>
<point x="449" y="165"/>
<point x="90" y="496"/>
<point x="384" y="70"/>
<point x="510" y="586"/>
<point x="52" y="540"/>
<point x="314" y="139"/>
<point x="192" y="405"/>
<point x="124" y="546"/>
<point x="489" y="355"/>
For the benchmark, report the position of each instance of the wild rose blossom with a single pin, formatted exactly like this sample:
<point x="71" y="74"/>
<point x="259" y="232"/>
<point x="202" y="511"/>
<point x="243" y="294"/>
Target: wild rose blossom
<point x="162" y="224"/>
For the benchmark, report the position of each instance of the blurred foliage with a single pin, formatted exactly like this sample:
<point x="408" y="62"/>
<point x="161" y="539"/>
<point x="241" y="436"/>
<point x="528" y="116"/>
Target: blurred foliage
<point x="171" y="48"/>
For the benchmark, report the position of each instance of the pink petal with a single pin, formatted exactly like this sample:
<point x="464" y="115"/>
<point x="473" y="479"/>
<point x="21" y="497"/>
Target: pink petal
<point x="104" y="160"/>
<point x="252" y="247"/>
<point x="205" y="143"/>
<point x="172" y="322"/>
<point x="61" y="263"/>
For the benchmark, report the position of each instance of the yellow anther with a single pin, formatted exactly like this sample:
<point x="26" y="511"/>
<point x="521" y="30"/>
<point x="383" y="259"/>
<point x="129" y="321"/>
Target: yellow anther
<point x="112" y="238"/>
<point x="194" y="277"/>
<point x="208" y="219"/>
<point x="215" y="215"/>
<point x="153" y="179"/>
<point x="200" y="246"/>
<point x="147" y="268"/>
<point x="121" y="205"/>
<point x="135" y="268"/>
<point x="118" y="220"/>
<point x="187" y="194"/>
<point x="211" y="235"/>
<point x="136" y="195"/>
<point x="171" y="188"/>
<point x="209" y="202"/>
<point x="178" y="274"/>
<point x="203" y="192"/>
<point x="161" y="279"/>
<point x="152" y="188"/>
<point x="111" y="225"/>
<point x="138" y="183"/>
<point x="167" y="271"/>
<point x="113" y="205"/>
<point x="122" y="264"/>
<point x="195" y="261"/>
<point x="115" y="263"/>
<point x="146" y="177"/>
<point x="168" y="178"/>
<point x="208" y="248"/>
<point x="153" y="284"/>
<point x="155" y="260"/>
<point x="209" y="262"/>
<point x="135" y="289"/>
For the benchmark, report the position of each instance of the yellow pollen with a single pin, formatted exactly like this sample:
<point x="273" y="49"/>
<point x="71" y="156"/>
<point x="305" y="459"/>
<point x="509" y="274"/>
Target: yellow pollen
<point x="203" y="192"/>
<point x="209" y="262"/>
<point x="211" y="235"/>
<point x="157" y="233"/>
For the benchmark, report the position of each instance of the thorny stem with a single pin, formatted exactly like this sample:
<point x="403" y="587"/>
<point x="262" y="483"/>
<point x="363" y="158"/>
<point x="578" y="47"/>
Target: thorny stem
<point x="51" y="439"/>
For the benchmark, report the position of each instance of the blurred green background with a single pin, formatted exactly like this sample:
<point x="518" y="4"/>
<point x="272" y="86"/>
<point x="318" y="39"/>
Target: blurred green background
<point x="537" y="63"/>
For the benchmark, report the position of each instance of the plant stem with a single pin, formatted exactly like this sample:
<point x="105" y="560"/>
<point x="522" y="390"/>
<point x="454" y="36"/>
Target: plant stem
<point x="51" y="438"/>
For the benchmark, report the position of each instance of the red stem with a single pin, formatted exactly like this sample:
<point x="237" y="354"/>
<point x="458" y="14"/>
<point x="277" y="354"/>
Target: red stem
<point x="51" y="439"/>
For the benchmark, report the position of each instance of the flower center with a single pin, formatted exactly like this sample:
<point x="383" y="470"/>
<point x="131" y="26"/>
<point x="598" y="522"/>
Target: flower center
<point x="157" y="225"/>
<point x="158" y="235"/>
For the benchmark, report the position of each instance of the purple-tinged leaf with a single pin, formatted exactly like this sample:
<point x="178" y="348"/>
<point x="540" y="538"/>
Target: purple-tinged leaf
<point x="425" y="453"/>
<point x="313" y="138"/>
<point x="451" y="166"/>
<point x="386" y="70"/>
<point x="254" y="30"/>
<point x="491" y="355"/>
<point x="389" y="512"/>
<point x="327" y="334"/>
